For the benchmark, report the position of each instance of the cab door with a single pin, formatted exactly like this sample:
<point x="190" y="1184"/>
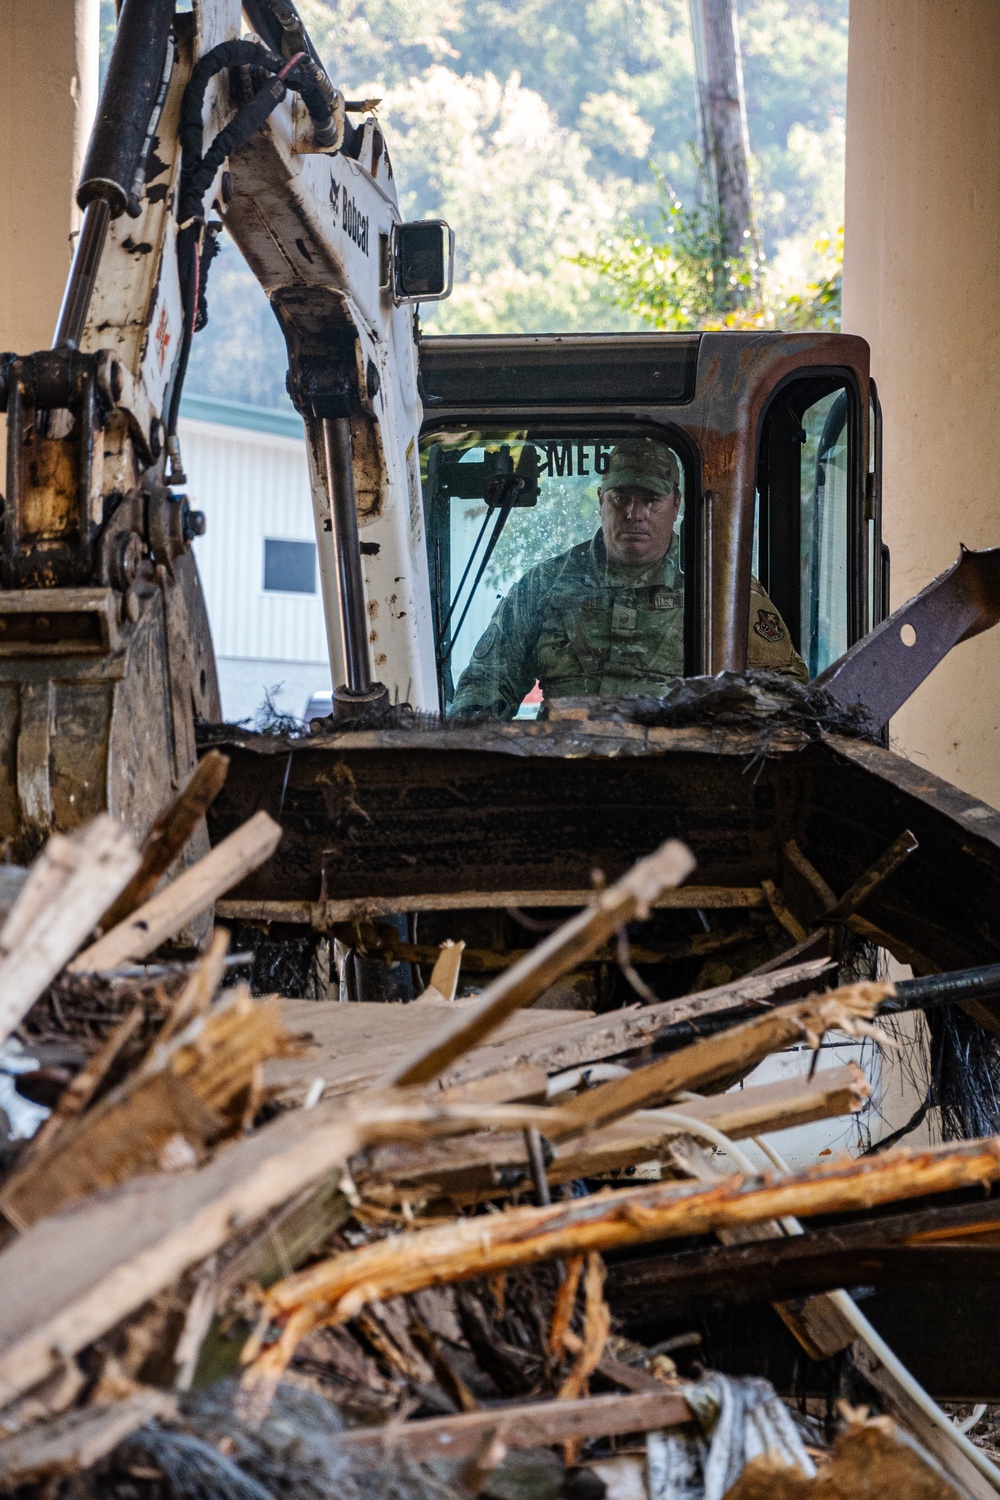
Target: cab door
<point x="817" y="545"/>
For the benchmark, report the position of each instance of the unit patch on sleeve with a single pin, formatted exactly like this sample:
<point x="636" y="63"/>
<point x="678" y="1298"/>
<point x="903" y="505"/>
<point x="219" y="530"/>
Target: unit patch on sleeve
<point x="768" y="626"/>
<point x="489" y="640"/>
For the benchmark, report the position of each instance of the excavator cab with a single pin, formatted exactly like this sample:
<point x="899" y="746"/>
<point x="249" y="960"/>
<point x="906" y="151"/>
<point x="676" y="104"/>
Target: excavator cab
<point x="773" y="437"/>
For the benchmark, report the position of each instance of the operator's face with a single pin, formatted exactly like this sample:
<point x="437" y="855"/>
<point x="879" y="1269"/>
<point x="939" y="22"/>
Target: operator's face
<point x="638" y="525"/>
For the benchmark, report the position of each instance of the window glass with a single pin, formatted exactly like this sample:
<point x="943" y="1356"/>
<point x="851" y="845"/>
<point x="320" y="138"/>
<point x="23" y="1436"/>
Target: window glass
<point x="478" y="553"/>
<point x="824" y="531"/>
<point x="289" y="567"/>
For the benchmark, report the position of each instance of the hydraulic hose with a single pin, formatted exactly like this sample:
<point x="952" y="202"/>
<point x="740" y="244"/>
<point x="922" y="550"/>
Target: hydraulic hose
<point x="196" y="245"/>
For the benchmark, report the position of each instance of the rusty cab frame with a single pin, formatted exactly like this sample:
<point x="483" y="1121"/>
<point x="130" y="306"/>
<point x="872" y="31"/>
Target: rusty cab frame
<point x="732" y="407"/>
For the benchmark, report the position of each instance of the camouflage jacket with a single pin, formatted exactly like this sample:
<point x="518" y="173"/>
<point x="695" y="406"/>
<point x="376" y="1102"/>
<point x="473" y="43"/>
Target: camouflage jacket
<point x="581" y="624"/>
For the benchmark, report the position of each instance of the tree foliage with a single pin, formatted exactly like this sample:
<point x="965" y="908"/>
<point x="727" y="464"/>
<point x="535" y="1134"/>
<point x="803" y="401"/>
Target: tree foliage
<point x="538" y="126"/>
<point x="682" y="277"/>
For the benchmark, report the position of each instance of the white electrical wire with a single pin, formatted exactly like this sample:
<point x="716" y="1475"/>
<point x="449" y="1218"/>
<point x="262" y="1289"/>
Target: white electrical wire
<point x="845" y="1304"/>
<point x="560" y="1083"/>
<point x="977" y="1415"/>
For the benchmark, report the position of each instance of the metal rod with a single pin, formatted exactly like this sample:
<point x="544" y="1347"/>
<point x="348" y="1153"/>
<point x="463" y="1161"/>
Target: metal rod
<point x="443" y="628"/>
<point x="499" y="525"/>
<point x="347" y="545"/>
<point x="83" y="275"/>
<point x="536" y="1161"/>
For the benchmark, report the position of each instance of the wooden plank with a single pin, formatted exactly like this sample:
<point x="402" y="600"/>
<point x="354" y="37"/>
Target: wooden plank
<point x="77" y="1439"/>
<point x="812" y="877"/>
<point x="869" y="881"/>
<point x="581" y="1040"/>
<point x="528" y="1425"/>
<point x="729" y="1055"/>
<point x="71" y="883"/>
<point x="472" y="1172"/>
<point x="166" y="839"/>
<point x="83" y="1270"/>
<point x="949" y="1240"/>
<point x="355" y="1042"/>
<point x="788" y="920"/>
<point x="818" y="940"/>
<point x="324" y="914"/>
<point x="555" y="956"/>
<point x="334" y="1290"/>
<point x="815" y="946"/>
<point x="187" y="896"/>
<point x="769" y="1107"/>
<point x="525" y="1082"/>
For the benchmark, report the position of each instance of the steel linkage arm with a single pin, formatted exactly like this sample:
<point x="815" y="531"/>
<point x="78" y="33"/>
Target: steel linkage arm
<point x="881" y="671"/>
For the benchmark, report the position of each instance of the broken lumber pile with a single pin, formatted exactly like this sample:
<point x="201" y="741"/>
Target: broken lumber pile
<point x="382" y="1228"/>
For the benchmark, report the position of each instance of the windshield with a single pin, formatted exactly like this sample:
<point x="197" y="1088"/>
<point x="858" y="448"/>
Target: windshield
<point x="501" y="504"/>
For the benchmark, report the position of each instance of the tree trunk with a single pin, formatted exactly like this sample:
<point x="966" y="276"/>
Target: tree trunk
<point x="725" y="138"/>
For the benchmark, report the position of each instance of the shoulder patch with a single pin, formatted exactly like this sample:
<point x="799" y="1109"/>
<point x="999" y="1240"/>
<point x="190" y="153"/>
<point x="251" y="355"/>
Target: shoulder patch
<point x="768" y="626"/>
<point x="489" y="639"/>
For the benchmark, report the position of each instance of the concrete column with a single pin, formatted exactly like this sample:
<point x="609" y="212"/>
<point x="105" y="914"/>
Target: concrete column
<point x="922" y="284"/>
<point x="48" y="94"/>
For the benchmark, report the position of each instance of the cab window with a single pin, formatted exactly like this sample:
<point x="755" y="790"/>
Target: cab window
<point x="810" y="543"/>
<point x="497" y="503"/>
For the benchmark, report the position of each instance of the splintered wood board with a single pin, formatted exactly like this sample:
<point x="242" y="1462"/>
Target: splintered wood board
<point x="359" y="1042"/>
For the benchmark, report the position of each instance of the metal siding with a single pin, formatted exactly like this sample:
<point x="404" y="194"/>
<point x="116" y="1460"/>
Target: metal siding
<point x="251" y="485"/>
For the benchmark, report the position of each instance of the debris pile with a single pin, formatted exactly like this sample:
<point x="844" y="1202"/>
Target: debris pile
<point x="255" y="1245"/>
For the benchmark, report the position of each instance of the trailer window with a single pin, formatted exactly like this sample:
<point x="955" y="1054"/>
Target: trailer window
<point x="497" y="504"/>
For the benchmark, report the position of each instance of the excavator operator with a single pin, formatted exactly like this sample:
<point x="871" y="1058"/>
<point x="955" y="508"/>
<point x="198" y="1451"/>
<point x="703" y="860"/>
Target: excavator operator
<point x="607" y="616"/>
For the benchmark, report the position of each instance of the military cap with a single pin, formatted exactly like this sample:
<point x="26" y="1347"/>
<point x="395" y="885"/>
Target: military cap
<point x="643" y="462"/>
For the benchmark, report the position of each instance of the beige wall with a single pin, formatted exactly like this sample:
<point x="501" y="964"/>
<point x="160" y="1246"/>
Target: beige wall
<point x="48" y="92"/>
<point x="922" y="284"/>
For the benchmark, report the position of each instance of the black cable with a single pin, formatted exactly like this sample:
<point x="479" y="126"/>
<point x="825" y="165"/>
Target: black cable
<point x="196" y="246"/>
<point x="981" y="983"/>
<point x="443" y="630"/>
<point x="300" y="76"/>
<point x="498" y="528"/>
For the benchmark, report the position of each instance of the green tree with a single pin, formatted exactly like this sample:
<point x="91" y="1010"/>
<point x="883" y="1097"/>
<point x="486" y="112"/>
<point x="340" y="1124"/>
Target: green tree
<point x="516" y="187"/>
<point x="682" y="278"/>
<point x="534" y="127"/>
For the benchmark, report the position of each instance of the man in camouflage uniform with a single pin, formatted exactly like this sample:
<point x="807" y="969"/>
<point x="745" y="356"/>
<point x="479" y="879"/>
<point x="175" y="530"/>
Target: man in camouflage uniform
<point x="607" y="617"/>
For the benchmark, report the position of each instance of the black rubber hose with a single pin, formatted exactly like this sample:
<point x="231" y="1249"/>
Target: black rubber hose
<point x="197" y="176"/>
<point x="198" y="168"/>
<point x="130" y="91"/>
<point x="929" y="993"/>
<point x="236" y="54"/>
<point x="266" y="24"/>
<point x="981" y="983"/>
<point x="191" y="132"/>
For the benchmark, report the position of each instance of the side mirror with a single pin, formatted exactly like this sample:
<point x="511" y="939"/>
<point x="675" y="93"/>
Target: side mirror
<point x="422" y="257"/>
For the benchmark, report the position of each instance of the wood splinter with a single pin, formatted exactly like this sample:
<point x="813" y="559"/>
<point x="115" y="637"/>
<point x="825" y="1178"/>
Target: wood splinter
<point x="336" y="1289"/>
